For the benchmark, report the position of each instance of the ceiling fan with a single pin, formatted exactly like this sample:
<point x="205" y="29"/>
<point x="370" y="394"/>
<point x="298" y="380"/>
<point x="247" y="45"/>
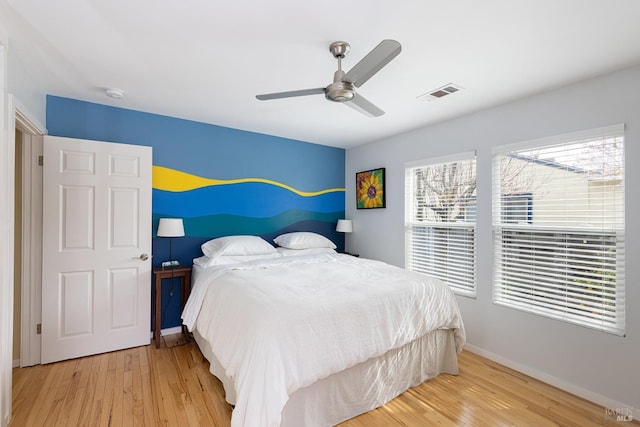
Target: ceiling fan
<point x="343" y="88"/>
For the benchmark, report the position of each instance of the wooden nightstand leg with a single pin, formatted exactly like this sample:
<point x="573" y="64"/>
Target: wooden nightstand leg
<point x="185" y="289"/>
<point x="157" y="320"/>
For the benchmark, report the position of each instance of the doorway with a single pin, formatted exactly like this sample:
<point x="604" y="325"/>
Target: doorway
<point x="27" y="143"/>
<point x="27" y="243"/>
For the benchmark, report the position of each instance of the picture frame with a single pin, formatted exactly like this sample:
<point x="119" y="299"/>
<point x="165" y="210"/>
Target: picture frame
<point x="370" y="189"/>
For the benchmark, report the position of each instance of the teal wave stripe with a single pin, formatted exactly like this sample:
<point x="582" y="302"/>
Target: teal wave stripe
<point x="245" y="199"/>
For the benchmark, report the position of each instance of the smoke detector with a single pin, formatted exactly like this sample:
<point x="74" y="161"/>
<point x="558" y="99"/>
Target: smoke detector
<point x="440" y="92"/>
<point x="114" y="93"/>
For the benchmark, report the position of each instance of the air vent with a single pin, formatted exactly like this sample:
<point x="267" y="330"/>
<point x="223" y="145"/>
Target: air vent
<point x="440" y="92"/>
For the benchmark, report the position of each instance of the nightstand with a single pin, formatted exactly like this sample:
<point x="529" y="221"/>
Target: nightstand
<point x="181" y="271"/>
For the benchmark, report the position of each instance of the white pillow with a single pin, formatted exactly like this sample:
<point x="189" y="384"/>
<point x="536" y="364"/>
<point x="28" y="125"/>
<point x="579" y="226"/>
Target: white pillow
<point x="236" y="245"/>
<point x="205" y="261"/>
<point x="309" y="251"/>
<point x="303" y="240"/>
<point x="202" y="261"/>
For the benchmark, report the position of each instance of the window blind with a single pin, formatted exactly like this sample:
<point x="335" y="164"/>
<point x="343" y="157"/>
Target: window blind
<point x="440" y="217"/>
<point x="558" y="223"/>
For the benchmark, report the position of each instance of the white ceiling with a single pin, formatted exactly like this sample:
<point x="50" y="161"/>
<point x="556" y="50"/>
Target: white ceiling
<point x="205" y="60"/>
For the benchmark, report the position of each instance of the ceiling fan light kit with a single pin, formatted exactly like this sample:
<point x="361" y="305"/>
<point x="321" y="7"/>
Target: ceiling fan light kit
<point x="343" y="88"/>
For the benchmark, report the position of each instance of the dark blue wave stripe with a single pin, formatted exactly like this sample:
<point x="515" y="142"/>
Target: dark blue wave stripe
<point x="256" y="200"/>
<point x="188" y="247"/>
<point x="224" y="225"/>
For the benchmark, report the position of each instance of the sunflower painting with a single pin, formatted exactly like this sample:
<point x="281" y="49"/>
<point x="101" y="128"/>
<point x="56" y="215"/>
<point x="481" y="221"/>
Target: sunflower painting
<point x="370" y="189"/>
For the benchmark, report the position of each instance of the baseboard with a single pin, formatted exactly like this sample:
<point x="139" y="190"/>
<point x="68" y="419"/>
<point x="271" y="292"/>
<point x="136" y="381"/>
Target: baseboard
<point x="168" y="331"/>
<point x="16" y="363"/>
<point x="613" y="407"/>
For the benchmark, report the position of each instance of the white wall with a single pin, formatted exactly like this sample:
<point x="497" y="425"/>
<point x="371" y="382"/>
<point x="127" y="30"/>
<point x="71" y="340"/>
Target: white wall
<point x="15" y="79"/>
<point x="6" y="260"/>
<point x="29" y="97"/>
<point x="22" y="68"/>
<point x="596" y="365"/>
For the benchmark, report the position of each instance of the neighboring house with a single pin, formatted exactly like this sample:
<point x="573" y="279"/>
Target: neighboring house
<point x="532" y="202"/>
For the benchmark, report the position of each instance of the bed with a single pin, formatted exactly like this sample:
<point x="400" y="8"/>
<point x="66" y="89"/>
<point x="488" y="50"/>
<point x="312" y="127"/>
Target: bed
<point x="305" y="336"/>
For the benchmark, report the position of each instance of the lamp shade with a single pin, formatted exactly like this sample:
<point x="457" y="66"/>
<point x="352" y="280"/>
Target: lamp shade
<point x="170" y="227"/>
<point x="344" y="226"/>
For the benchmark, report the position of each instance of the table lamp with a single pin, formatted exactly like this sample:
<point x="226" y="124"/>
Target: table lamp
<point x="170" y="227"/>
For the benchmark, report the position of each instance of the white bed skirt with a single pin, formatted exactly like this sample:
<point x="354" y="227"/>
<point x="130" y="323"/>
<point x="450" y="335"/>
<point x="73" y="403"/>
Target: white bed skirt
<point x="361" y="388"/>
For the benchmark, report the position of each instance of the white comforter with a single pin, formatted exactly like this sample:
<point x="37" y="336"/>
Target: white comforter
<point x="280" y="325"/>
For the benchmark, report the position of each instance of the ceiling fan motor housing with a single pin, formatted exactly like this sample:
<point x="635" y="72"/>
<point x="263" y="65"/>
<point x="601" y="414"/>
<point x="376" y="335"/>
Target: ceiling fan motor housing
<point x="340" y="92"/>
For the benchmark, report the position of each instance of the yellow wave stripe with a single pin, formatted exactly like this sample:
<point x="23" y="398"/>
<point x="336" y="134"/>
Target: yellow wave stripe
<point x="167" y="179"/>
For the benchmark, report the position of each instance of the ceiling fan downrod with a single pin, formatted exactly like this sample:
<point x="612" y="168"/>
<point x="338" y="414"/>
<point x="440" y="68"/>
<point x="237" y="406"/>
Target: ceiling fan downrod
<point x="339" y="91"/>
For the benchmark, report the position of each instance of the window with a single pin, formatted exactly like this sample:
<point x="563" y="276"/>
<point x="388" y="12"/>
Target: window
<point x="516" y="208"/>
<point x="558" y="223"/>
<point x="440" y="216"/>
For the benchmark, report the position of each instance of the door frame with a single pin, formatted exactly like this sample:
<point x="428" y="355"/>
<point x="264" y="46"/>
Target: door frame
<point x="20" y="118"/>
<point x="31" y="267"/>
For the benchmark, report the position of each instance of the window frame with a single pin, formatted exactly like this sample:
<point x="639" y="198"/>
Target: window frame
<point x="453" y="227"/>
<point x="511" y="294"/>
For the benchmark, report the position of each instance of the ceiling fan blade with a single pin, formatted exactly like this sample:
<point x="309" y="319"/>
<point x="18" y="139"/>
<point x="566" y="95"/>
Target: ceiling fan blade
<point x="380" y="56"/>
<point x="291" y="94"/>
<point x="361" y="104"/>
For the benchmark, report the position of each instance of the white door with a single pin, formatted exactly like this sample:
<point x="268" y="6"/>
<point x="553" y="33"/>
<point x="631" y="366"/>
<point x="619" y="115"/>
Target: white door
<point x="96" y="267"/>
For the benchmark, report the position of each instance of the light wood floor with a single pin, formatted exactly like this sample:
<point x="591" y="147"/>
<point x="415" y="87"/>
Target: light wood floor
<point x="172" y="386"/>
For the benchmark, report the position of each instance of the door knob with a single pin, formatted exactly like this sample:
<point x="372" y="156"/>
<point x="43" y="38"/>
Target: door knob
<point x="142" y="257"/>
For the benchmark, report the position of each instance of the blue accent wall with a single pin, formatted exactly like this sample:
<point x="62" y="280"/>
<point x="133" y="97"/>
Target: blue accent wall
<point x="293" y="185"/>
